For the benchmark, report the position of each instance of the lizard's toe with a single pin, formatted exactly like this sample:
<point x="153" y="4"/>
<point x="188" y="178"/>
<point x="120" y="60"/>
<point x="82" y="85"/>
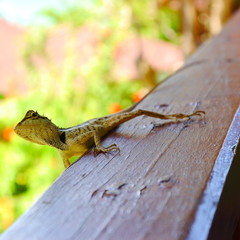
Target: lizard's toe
<point x="107" y="149"/>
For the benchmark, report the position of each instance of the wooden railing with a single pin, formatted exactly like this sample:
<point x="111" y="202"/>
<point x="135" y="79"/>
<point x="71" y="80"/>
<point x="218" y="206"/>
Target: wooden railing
<point x="170" y="181"/>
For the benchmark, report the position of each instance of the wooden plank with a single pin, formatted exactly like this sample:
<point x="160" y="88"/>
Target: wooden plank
<point x="219" y="210"/>
<point x="153" y="188"/>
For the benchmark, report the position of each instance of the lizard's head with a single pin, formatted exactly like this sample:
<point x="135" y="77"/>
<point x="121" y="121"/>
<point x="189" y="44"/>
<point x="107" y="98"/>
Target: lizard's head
<point x="34" y="127"/>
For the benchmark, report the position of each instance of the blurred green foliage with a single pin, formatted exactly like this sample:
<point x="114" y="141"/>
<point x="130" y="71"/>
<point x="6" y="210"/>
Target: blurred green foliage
<point x="28" y="169"/>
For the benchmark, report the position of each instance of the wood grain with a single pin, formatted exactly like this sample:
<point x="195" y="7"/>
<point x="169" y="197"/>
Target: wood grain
<point x="153" y="188"/>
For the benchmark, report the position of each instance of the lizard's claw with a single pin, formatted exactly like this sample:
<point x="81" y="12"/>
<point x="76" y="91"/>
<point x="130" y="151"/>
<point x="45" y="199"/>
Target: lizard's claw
<point x="198" y="113"/>
<point x="99" y="149"/>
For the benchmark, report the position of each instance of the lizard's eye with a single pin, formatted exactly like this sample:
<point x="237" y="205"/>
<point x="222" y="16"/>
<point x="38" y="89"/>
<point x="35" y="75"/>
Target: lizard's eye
<point x="31" y="114"/>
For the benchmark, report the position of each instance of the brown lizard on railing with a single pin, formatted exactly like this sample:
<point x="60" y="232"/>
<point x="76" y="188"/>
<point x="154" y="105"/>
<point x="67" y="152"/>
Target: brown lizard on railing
<point x="77" y="140"/>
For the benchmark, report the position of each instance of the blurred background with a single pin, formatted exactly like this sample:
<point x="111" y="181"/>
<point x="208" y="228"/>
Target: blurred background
<point x="76" y="60"/>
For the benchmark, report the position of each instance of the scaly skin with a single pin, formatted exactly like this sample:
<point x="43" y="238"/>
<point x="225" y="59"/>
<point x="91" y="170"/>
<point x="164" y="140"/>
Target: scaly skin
<point x="77" y="140"/>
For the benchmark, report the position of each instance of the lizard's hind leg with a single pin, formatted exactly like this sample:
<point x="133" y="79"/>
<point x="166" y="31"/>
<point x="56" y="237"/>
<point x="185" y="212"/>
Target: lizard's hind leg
<point x="177" y="116"/>
<point x="123" y="117"/>
<point x="115" y="120"/>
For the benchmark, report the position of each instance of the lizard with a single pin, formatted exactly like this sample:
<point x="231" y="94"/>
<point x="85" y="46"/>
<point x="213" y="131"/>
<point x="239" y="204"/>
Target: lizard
<point x="77" y="140"/>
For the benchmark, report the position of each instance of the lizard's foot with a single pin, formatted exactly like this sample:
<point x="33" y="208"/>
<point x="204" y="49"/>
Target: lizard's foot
<point x="198" y="113"/>
<point x="182" y="116"/>
<point x="105" y="150"/>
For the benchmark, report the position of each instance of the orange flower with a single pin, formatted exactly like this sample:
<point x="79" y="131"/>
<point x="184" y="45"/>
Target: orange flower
<point x="114" y="108"/>
<point x="7" y="133"/>
<point x="137" y="96"/>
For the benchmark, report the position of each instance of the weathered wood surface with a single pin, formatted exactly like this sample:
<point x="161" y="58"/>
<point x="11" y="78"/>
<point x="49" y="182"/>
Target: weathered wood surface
<point x="154" y="188"/>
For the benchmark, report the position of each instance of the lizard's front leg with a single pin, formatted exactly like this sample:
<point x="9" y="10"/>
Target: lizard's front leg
<point x="65" y="158"/>
<point x="100" y="148"/>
